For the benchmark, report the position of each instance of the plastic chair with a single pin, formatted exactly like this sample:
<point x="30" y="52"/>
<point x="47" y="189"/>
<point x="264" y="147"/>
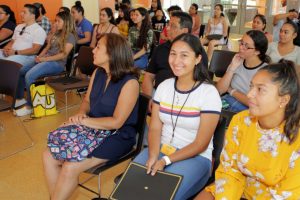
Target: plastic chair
<point x="140" y="127"/>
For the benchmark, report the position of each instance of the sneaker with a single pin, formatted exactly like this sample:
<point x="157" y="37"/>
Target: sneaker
<point x="23" y="111"/>
<point x="20" y="102"/>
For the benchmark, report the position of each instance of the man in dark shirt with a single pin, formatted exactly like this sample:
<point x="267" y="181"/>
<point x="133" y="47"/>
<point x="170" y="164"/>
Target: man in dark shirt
<point x="159" y="69"/>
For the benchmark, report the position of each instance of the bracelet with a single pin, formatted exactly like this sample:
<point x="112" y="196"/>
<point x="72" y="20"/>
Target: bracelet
<point x="232" y="91"/>
<point x="167" y="160"/>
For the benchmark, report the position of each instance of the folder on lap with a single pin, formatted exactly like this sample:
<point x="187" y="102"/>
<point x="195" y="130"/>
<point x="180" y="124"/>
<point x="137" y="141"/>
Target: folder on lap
<point x="136" y="184"/>
<point x="214" y="37"/>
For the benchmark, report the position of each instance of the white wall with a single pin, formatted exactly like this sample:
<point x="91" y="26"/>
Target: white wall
<point x="91" y="8"/>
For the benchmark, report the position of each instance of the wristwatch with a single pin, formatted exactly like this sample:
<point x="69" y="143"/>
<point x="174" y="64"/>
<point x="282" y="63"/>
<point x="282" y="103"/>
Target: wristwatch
<point x="167" y="160"/>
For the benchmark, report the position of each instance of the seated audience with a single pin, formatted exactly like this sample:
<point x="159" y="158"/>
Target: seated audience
<point x="140" y="37"/>
<point x="235" y="82"/>
<point x="42" y="20"/>
<point x="155" y="5"/>
<point x="27" y="40"/>
<point x="260" y="23"/>
<point x="280" y="19"/>
<point x="158" y="20"/>
<point x="109" y="105"/>
<point x="107" y="25"/>
<point x="164" y="33"/>
<point x="261" y="157"/>
<point x="193" y="11"/>
<point x="159" y="69"/>
<point x="216" y="25"/>
<point x="50" y="61"/>
<point x="7" y="23"/>
<point x="123" y="21"/>
<point x="184" y="116"/>
<point x="285" y="48"/>
<point x="84" y="27"/>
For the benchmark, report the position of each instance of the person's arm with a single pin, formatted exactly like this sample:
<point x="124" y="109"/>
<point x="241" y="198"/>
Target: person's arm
<point x="154" y="137"/>
<point x="241" y="97"/>
<point x="139" y="54"/>
<point x="30" y="51"/>
<point x="86" y="39"/>
<point x="5" y="33"/>
<point x="147" y="87"/>
<point x="224" y="83"/>
<point x="44" y="51"/>
<point x="208" y="27"/>
<point x="225" y="27"/>
<point x="230" y="182"/>
<point x="59" y="56"/>
<point x="149" y="43"/>
<point x="94" y="39"/>
<point x="115" y="30"/>
<point x="279" y="17"/>
<point x="197" y="23"/>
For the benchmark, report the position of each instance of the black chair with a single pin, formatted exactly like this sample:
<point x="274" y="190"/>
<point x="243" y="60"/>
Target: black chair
<point x="4" y="42"/>
<point x="228" y="115"/>
<point x="202" y="30"/>
<point x="140" y="127"/>
<point x="9" y="76"/>
<point x="220" y="61"/>
<point x="65" y="84"/>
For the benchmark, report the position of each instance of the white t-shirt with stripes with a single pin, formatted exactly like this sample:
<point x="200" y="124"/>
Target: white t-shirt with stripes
<point x="203" y="98"/>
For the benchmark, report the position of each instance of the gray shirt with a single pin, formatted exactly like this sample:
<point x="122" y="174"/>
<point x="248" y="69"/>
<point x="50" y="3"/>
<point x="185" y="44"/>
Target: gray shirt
<point x="54" y="47"/>
<point x="242" y="77"/>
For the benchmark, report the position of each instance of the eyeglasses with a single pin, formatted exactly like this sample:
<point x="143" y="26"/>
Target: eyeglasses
<point x="245" y="45"/>
<point x="22" y="31"/>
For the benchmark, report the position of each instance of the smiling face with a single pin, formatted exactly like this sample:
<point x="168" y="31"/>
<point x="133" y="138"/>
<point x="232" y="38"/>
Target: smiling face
<point x="182" y="59"/>
<point x="263" y="96"/>
<point x="101" y="58"/>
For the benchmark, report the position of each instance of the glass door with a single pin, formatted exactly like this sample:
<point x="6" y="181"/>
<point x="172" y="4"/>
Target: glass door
<point x="241" y="12"/>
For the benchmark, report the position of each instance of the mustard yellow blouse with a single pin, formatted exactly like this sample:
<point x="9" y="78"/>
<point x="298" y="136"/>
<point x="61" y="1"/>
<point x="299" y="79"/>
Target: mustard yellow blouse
<point x="256" y="163"/>
<point x="123" y="29"/>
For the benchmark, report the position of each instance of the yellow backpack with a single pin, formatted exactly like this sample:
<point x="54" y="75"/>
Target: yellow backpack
<point x="43" y="99"/>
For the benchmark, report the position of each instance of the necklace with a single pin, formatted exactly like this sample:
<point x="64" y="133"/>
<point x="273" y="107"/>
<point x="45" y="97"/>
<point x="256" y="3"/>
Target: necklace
<point x="177" y="102"/>
<point x="100" y="32"/>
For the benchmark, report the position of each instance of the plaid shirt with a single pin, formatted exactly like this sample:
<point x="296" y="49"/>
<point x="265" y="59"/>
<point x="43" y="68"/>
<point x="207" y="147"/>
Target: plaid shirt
<point x="133" y="36"/>
<point x="45" y="24"/>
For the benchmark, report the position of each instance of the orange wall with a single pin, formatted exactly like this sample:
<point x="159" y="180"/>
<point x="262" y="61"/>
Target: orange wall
<point x="51" y="7"/>
<point x="107" y="3"/>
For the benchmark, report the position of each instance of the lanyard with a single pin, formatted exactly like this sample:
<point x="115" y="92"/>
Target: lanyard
<point x="175" y="124"/>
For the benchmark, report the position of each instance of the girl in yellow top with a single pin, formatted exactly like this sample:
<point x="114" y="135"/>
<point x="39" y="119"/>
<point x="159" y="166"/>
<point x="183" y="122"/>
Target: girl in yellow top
<point x="261" y="157"/>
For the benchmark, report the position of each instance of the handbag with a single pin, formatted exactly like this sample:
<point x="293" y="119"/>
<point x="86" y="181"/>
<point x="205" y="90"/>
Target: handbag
<point x="43" y="99"/>
<point x="75" y="142"/>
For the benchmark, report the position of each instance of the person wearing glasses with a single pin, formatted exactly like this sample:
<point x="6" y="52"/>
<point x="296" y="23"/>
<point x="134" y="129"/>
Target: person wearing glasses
<point x="42" y="20"/>
<point x="27" y="40"/>
<point x="7" y="24"/>
<point x="234" y="85"/>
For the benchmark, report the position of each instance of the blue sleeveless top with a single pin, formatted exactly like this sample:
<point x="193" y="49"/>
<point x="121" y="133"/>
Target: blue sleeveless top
<point x="103" y="103"/>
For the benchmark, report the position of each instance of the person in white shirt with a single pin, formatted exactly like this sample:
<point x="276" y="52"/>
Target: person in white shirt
<point x="27" y="40"/>
<point x="185" y="113"/>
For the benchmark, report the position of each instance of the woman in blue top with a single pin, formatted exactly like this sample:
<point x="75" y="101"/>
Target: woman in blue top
<point x="110" y="104"/>
<point x="84" y="27"/>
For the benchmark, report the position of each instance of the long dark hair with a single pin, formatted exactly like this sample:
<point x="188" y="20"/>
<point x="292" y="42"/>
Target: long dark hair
<point x="260" y="43"/>
<point x="125" y="10"/>
<point x="120" y="56"/>
<point x="78" y="7"/>
<point x="221" y="8"/>
<point x="146" y="26"/>
<point x="159" y="7"/>
<point x="284" y="73"/>
<point x="9" y="12"/>
<point x="110" y="14"/>
<point x="200" y="72"/>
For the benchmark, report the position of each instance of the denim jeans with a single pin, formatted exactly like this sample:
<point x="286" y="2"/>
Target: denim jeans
<point x="23" y="60"/>
<point x="30" y="73"/>
<point x="141" y="62"/>
<point x="195" y="172"/>
<point x="234" y="104"/>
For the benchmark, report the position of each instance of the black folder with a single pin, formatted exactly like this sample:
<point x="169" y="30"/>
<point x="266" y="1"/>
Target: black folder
<point x="214" y="37"/>
<point x="135" y="184"/>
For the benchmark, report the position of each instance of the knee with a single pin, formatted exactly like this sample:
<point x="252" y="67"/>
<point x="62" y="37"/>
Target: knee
<point x="70" y="170"/>
<point x="48" y="159"/>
